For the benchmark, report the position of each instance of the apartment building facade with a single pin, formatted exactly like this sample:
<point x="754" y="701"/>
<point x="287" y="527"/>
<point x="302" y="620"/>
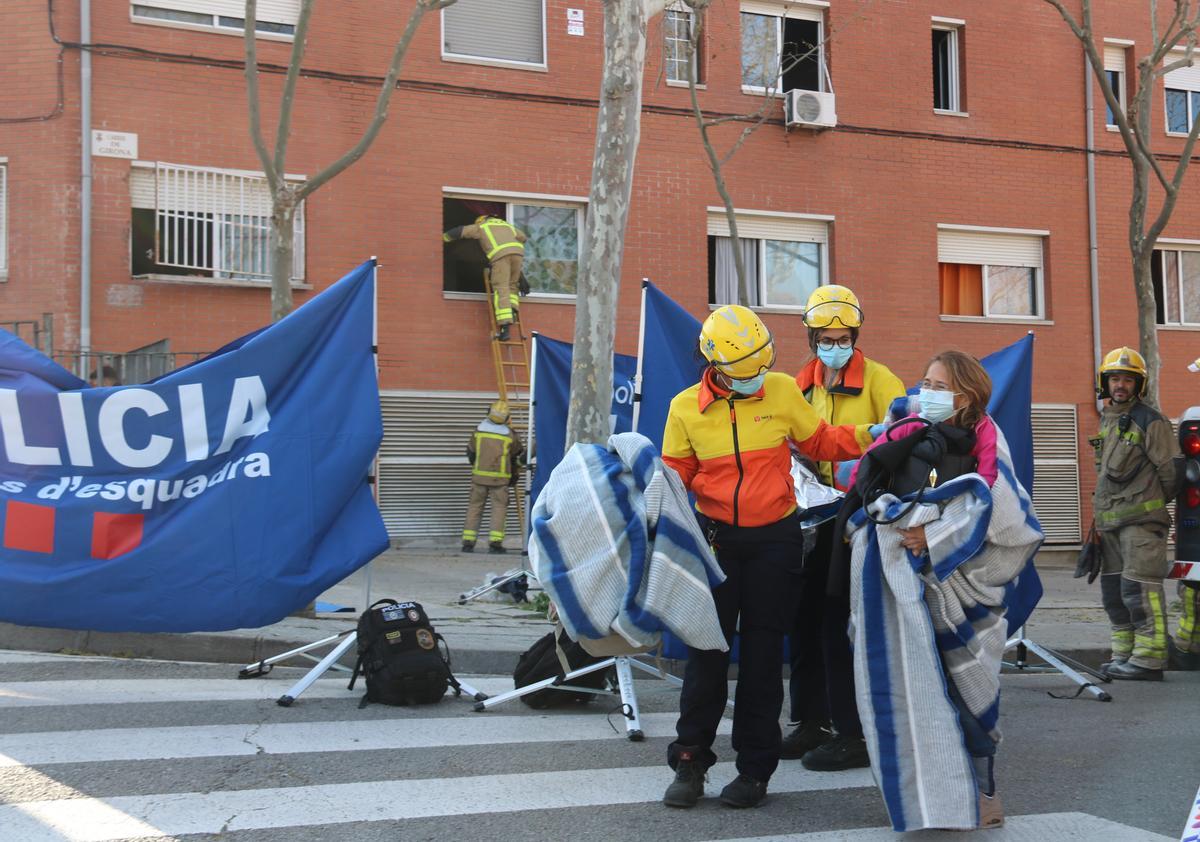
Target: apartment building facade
<point x="931" y="155"/>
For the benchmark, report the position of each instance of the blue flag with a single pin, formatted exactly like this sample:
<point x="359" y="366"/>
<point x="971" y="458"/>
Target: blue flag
<point x="1011" y="406"/>
<point x="670" y="360"/>
<point x="223" y="495"/>
<point x="551" y="398"/>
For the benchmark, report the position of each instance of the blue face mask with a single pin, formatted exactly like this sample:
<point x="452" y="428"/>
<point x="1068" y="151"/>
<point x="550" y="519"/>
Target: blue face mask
<point x="936" y="406"/>
<point x="835" y="358"/>
<point x="748" y="387"/>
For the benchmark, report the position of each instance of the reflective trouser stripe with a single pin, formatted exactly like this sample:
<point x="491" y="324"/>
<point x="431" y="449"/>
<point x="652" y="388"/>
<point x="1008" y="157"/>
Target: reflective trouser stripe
<point x="505" y="314"/>
<point x="1130" y="511"/>
<point x="470" y="535"/>
<point x="495" y="537"/>
<point x="1186" y="635"/>
<point x="1122" y="643"/>
<point x="1150" y="636"/>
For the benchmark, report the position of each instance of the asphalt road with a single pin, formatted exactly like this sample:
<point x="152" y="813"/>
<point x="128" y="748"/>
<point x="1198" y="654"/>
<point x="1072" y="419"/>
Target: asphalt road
<point x="98" y="749"/>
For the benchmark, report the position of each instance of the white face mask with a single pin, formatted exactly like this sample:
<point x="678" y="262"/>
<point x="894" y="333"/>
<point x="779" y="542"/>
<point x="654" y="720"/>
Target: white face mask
<point x="748" y="387"/>
<point x="936" y="405"/>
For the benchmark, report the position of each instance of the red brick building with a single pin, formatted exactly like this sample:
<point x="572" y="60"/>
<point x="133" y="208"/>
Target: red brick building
<point x="950" y="191"/>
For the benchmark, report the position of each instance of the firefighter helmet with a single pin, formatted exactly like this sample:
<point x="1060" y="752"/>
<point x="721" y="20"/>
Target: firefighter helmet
<point x="498" y="413"/>
<point x="833" y="305"/>
<point x="736" y="342"/>
<point x="1124" y="360"/>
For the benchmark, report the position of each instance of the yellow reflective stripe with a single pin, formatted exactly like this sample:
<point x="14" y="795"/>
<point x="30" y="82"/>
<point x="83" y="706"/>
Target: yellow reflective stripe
<point x="470" y="535"/>
<point x="1187" y="622"/>
<point x="487" y="227"/>
<point x="495" y="536"/>
<point x="1135" y="509"/>
<point x="1122" y="643"/>
<point x="1133" y="436"/>
<point x="503" y="456"/>
<point x="1153" y="645"/>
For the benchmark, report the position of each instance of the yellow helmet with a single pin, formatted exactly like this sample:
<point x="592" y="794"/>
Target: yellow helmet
<point x="1122" y="359"/>
<point x="498" y="413"/>
<point x="736" y="342"/>
<point x="833" y="305"/>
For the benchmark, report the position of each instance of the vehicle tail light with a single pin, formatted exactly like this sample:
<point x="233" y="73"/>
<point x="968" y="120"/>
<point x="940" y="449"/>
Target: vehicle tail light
<point x="1191" y="496"/>
<point x="1191" y="443"/>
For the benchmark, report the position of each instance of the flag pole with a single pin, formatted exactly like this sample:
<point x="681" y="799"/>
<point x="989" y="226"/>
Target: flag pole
<point x="373" y="478"/>
<point x="637" y="376"/>
<point x="530" y="448"/>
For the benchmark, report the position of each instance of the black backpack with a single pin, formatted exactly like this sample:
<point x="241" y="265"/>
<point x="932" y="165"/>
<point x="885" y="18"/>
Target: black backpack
<point x="398" y="655"/>
<point x="541" y="661"/>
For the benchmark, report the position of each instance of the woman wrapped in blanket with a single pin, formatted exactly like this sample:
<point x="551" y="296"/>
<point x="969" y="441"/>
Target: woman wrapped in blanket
<point x="940" y="532"/>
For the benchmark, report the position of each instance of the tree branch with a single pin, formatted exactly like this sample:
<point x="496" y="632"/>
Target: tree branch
<point x="299" y="44"/>
<point x="260" y="147"/>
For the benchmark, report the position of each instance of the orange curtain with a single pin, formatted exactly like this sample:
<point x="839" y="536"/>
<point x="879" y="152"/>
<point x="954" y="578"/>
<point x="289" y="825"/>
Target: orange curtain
<point x="962" y="289"/>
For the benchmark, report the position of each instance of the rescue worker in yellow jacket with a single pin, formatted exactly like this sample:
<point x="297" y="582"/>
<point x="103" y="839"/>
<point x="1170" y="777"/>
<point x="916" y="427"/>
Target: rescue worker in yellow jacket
<point x="1135" y="463"/>
<point x="844" y="387"/>
<point x="503" y="245"/>
<point x="495" y="451"/>
<point x="728" y="438"/>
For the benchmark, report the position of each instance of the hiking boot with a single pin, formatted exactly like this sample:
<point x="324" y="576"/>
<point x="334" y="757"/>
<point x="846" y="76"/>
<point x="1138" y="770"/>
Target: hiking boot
<point x="1132" y="672"/>
<point x="991" y="811"/>
<point x="468" y="547"/>
<point x="688" y="786"/>
<point x="496" y="547"/>
<point x="744" y="791"/>
<point x="804" y="738"/>
<point x="1177" y="659"/>
<point x="502" y="333"/>
<point x="838" y="754"/>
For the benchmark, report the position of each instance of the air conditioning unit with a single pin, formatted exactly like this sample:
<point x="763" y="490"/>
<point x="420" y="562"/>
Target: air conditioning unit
<point x="814" y="109"/>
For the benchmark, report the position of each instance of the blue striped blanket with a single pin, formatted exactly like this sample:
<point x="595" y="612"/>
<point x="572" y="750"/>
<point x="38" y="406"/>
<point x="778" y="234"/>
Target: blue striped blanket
<point x="918" y="621"/>
<point x="616" y="545"/>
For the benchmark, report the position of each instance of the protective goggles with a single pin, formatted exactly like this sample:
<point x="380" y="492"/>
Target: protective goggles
<point x="730" y="368"/>
<point x="833" y="314"/>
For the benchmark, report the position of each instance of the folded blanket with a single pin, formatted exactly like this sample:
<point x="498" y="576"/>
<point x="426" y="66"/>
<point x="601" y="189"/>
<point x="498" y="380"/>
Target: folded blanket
<point x="616" y="545"/>
<point x="920" y="620"/>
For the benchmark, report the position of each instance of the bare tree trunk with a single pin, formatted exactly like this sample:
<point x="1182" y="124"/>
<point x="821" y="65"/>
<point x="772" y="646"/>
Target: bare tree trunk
<point x="283" y="228"/>
<point x="618" y="128"/>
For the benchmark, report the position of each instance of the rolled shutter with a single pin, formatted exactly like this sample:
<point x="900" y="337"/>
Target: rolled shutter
<point x="509" y="31"/>
<point x="1185" y="78"/>
<point x="1114" y="59"/>
<point x="424" y="476"/>
<point x="1056" y="472"/>
<point x="978" y="247"/>
<point x="3" y="217"/>
<point x="275" y="11"/>
<point x="770" y="228"/>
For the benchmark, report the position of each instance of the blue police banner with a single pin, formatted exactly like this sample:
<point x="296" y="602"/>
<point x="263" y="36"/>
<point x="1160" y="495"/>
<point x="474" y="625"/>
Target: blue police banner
<point x="551" y="397"/>
<point x="223" y="495"/>
<point x="671" y="360"/>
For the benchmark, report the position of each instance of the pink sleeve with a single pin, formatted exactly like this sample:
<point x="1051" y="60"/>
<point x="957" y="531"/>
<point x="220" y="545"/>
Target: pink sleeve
<point x="985" y="450"/>
<point x="899" y="432"/>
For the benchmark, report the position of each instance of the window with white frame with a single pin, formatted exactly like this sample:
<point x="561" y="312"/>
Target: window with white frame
<point x="554" y="232"/>
<point x="783" y="47"/>
<point x="1182" y="95"/>
<point x="679" y="22"/>
<point x="3" y="219"/>
<point x="205" y="223"/>
<point x="511" y="32"/>
<point x="947" y="87"/>
<point x="274" y="17"/>
<point x="1115" y="68"/>
<point x="989" y="273"/>
<point x="1176" y="275"/>
<point x="785" y="258"/>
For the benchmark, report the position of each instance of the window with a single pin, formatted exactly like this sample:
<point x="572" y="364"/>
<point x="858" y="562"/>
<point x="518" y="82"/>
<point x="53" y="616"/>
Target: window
<point x="1182" y="95"/>
<point x="678" y="26"/>
<point x="204" y="223"/>
<point x="990" y="273"/>
<point x="1176" y="276"/>
<point x="785" y="258"/>
<point x="554" y="229"/>
<point x="274" y="17"/>
<point x="512" y="32"/>
<point x="3" y="219"/>
<point x="947" y="92"/>
<point x="1115" y="70"/>
<point x="783" y="48"/>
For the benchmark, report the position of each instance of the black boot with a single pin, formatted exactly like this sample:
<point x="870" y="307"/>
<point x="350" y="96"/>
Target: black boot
<point x="688" y="786"/>
<point x="502" y="333"/>
<point x="838" y="754"/>
<point x="1107" y="665"/>
<point x="804" y="738"/>
<point x="744" y="791"/>
<point x="496" y="547"/>
<point x="1177" y="659"/>
<point x="468" y="546"/>
<point x="1132" y="672"/>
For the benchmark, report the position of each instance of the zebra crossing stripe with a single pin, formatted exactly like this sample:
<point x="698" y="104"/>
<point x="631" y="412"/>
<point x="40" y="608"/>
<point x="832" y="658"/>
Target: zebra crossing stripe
<point x="114" y="744"/>
<point x="1036" y="828"/>
<point x="105" y="820"/>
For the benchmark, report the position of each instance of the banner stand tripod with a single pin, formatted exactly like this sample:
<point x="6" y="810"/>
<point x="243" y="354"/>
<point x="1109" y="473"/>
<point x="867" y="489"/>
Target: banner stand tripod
<point x="1058" y="662"/>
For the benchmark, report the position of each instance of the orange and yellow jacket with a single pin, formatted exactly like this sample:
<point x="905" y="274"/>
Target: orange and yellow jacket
<point x="732" y="452"/>
<point x="863" y="395"/>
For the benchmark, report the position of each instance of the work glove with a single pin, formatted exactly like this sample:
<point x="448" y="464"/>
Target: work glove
<point x="841" y="477"/>
<point x="876" y="430"/>
<point x="522" y="285"/>
<point x="1088" y="562"/>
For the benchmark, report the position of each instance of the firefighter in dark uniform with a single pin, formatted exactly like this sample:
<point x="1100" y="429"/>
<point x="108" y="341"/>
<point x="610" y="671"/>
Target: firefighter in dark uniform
<point x="1135" y="463"/>
<point x="503" y="245"/>
<point x="495" y="451"/>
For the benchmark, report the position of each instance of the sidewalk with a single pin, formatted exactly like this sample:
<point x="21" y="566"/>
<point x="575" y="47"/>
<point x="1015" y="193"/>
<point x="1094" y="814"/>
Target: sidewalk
<point x="486" y="636"/>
